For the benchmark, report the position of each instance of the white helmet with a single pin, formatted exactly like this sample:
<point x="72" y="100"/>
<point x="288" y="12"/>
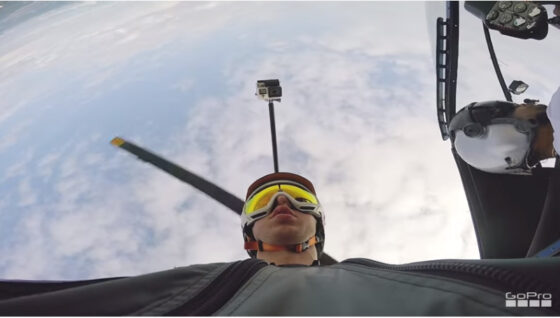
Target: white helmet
<point x="488" y="137"/>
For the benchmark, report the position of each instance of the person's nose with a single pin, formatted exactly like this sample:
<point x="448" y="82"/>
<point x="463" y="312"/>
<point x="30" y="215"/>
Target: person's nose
<point x="282" y="199"/>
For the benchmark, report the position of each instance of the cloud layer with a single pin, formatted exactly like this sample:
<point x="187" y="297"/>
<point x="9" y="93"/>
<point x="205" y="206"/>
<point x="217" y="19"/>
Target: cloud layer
<point x="358" y="119"/>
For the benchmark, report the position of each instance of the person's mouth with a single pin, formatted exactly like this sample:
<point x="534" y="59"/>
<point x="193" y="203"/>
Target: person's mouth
<point x="282" y="210"/>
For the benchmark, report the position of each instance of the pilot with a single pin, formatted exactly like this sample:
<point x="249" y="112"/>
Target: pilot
<point x="283" y="221"/>
<point x="506" y="138"/>
<point x="503" y="137"/>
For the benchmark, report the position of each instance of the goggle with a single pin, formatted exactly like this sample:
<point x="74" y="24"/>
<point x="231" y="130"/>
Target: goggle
<point x="261" y="202"/>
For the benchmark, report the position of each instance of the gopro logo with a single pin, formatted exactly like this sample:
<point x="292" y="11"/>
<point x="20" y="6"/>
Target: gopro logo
<point x="529" y="299"/>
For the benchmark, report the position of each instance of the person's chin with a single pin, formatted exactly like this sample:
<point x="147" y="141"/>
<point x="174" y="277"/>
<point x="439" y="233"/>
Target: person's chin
<point x="285" y="234"/>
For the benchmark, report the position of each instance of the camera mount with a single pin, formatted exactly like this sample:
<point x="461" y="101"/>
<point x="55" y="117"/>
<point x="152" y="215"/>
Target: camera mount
<point x="270" y="91"/>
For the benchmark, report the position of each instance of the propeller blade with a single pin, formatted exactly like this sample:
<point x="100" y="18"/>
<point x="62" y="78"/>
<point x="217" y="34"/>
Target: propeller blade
<point x="215" y="192"/>
<point x="231" y="201"/>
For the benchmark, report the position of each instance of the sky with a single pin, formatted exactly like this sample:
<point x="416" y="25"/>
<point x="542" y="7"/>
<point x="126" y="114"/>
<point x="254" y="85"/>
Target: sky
<point x="358" y="118"/>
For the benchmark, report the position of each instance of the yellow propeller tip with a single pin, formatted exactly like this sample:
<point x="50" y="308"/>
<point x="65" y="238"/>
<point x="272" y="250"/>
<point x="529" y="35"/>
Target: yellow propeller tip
<point x="117" y="141"/>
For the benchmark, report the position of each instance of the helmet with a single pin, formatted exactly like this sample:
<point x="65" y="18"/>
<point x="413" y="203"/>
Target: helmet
<point x="490" y="138"/>
<point x="290" y="179"/>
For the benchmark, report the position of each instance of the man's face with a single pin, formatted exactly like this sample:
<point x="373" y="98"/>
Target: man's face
<point x="528" y="111"/>
<point x="284" y="225"/>
<point x="543" y="142"/>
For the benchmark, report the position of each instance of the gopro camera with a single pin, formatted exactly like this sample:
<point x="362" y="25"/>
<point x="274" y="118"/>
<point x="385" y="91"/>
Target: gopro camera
<point x="269" y="90"/>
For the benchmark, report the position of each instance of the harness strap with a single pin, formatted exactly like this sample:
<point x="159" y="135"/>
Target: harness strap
<point x="265" y="247"/>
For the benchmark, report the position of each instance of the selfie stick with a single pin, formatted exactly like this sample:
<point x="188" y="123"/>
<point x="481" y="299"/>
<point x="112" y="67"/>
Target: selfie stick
<point x="270" y="91"/>
<point x="273" y="134"/>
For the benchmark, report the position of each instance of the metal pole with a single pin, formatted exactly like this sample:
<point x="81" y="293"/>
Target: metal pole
<point x="507" y="94"/>
<point x="273" y="134"/>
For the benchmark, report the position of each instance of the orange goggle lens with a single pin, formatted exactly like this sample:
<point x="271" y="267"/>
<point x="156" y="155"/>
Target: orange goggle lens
<point x="260" y="199"/>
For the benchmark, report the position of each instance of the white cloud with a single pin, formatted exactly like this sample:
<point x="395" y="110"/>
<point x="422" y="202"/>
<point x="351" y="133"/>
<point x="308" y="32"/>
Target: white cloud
<point x="358" y="119"/>
<point x="346" y="133"/>
<point x="81" y="48"/>
<point x="12" y="136"/>
<point x="18" y="168"/>
<point x="27" y="196"/>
